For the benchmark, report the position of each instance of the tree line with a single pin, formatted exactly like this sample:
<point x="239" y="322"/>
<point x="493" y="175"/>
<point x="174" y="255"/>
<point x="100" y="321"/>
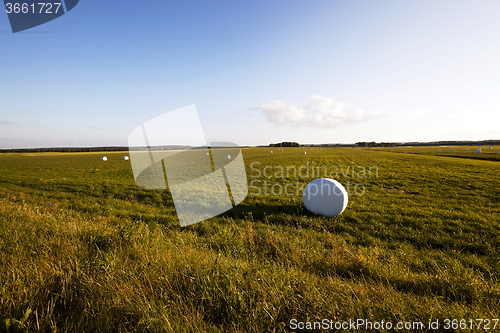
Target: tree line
<point x="285" y="144"/>
<point x="376" y="144"/>
<point x="62" y="150"/>
<point x="433" y="143"/>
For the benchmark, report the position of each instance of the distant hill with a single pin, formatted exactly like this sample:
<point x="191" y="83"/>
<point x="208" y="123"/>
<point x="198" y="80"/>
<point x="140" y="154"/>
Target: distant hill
<point x="431" y="143"/>
<point x="490" y="142"/>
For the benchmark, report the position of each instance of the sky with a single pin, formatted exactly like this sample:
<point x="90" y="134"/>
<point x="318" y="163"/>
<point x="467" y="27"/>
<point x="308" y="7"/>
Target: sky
<point x="257" y="71"/>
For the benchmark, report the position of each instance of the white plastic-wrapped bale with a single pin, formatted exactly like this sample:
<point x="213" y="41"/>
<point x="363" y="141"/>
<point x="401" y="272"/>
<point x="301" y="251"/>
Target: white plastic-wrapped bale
<point x="125" y="158"/>
<point x="304" y="153"/>
<point x="104" y="158"/>
<point x="452" y="150"/>
<point x="466" y="149"/>
<point x="228" y="157"/>
<point x="325" y="196"/>
<point x="439" y="149"/>
<point x="478" y="150"/>
<point x="271" y="151"/>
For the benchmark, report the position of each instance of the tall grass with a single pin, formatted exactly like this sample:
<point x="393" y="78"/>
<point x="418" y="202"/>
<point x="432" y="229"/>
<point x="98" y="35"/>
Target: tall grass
<point x="82" y="249"/>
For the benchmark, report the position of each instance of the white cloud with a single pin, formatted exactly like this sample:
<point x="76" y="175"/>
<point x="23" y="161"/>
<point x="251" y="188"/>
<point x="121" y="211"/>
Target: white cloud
<point x="319" y="111"/>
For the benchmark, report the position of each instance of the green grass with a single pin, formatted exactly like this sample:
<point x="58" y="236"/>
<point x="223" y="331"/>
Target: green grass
<point x="83" y="249"/>
<point x="446" y="151"/>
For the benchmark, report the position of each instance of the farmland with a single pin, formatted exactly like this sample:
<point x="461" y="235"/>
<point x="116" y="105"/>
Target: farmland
<point x="83" y="249"/>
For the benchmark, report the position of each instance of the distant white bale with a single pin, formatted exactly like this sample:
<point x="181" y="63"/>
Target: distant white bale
<point x="104" y="158"/>
<point x="453" y="150"/>
<point x="125" y="158"/>
<point x="208" y="153"/>
<point x="325" y="196"/>
<point x="466" y="149"/>
<point x="478" y="150"/>
<point x="304" y="153"/>
<point x="228" y="157"/>
<point x="439" y="149"/>
<point x="271" y="151"/>
<point x="491" y="148"/>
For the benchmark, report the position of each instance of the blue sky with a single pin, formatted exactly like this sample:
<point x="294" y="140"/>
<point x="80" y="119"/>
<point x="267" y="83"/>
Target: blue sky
<point x="258" y="71"/>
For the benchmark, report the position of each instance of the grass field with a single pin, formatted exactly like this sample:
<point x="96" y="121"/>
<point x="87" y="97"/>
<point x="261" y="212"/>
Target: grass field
<point x="83" y="249"/>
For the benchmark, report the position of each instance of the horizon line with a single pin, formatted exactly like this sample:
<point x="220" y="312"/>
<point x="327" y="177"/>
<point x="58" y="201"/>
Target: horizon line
<point x="497" y="141"/>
